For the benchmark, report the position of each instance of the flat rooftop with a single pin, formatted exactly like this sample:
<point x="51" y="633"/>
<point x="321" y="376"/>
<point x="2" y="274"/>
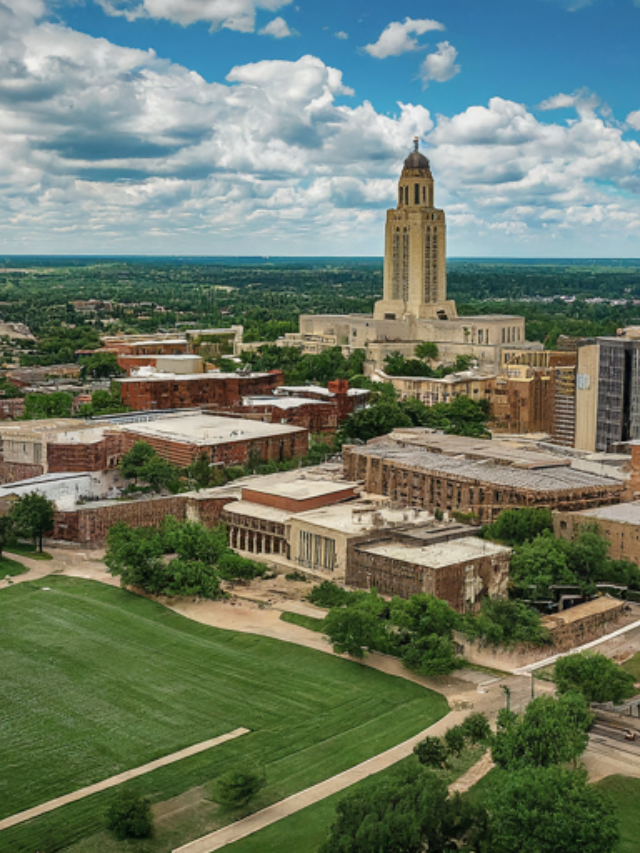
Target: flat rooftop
<point x="554" y="479"/>
<point x="356" y="517"/>
<point x="604" y="604"/>
<point x="440" y="554"/>
<point x="205" y="430"/>
<point x="513" y="452"/>
<point x="162" y="376"/>
<point x="280" y="402"/>
<point x="299" y="489"/>
<point x="626" y="513"/>
<point x="251" y="510"/>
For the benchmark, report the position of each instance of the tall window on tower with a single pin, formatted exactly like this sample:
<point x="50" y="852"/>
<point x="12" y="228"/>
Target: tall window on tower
<point x="416" y="193"/>
<point x="400" y="280"/>
<point x="431" y="264"/>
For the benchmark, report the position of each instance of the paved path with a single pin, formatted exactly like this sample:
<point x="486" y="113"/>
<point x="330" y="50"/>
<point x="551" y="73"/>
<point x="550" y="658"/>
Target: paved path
<point x="21" y="817"/>
<point x="474" y="774"/>
<point x="235" y="831"/>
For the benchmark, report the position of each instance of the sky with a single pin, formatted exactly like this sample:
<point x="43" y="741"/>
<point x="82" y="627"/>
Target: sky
<point x="279" y="127"/>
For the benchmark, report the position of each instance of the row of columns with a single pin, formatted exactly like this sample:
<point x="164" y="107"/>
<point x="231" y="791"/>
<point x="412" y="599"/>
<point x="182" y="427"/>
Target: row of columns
<point x="255" y="541"/>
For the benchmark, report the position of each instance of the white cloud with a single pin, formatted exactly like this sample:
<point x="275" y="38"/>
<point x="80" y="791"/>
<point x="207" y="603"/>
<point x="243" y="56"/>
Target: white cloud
<point x="440" y="66"/>
<point x="341" y="35"/>
<point x="633" y="119"/>
<point x="396" y="38"/>
<point x="232" y="14"/>
<point x="111" y="149"/>
<point x="278" y="28"/>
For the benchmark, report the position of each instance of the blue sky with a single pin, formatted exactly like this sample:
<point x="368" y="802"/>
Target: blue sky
<point x="269" y="127"/>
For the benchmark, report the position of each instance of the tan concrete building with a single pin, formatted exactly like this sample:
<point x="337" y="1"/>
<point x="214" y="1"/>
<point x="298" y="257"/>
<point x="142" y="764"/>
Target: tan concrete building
<point x="414" y="306"/>
<point x="459" y="569"/>
<point x="619" y="525"/>
<point x="431" y="391"/>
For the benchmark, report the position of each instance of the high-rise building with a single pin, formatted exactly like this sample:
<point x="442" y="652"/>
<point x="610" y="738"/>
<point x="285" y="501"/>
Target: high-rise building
<point x="607" y="392"/>
<point x="415" y="260"/>
<point x="414" y="305"/>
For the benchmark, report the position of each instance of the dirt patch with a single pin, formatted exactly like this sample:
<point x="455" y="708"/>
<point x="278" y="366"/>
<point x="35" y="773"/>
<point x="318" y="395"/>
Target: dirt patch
<point x="177" y="805"/>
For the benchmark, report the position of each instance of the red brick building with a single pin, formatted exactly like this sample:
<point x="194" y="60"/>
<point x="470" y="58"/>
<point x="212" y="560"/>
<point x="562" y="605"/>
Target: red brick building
<point x="143" y="393"/>
<point x="11" y="409"/>
<point x="181" y="439"/>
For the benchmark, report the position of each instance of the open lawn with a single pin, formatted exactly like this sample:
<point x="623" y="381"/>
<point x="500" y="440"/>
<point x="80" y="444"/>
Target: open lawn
<point x="311" y="623"/>
<point x="10" y="567"/>
<point x="96" y="680"/>
<point x="624" y="793"/>
<point x="26" y="549"/>
<point x="633" y="666"/>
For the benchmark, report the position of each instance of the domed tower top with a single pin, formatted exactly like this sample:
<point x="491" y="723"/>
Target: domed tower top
<point x="416" y="160"/>
<point x="415" y="188"/>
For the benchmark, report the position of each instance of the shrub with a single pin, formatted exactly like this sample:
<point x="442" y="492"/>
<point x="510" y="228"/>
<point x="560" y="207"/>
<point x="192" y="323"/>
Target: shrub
<point x="476" y="728"/>
<point x="129" y="816"/>
<point x="595" y="676"/>
<point x="238" y="786"/>
<point x="431" y="752"/>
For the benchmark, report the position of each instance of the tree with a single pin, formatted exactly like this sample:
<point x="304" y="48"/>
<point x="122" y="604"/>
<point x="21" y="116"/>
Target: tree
<point x="129" y="816"/>
<point x="7" y="532"/>
<point x="32" y="516"/>
<point x="236" y="787"/>
<point x="101" y="365"/>
<point x="431" y="752"/>
<point x="454" y="739"/>
<point x="596" y="677"/>
<point x="351" y="630"/>
<point x="476" y="728"/>
<point x="431" y="655"/>
<point x="56" y="405"/>
<point x="551" y="731"/>
<point x="157" y="472"/>
<point x="379" y="419"/>
<point x="104" y="403"/>
<point x="427" y="350"/>
<point x="134" y="459"/>
<point x="517" y="526"/>
<point x="550" y="810"/>
<point x="200" y="471"/>
<point x="409" y="813"/>
<point x="504" y="622"/>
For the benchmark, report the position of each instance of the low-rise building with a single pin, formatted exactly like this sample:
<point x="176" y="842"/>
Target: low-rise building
<point x="66" y="490"/>
<point x="472" y="477"/>
<point x="448" y="563"/>
<point x="618" y="524"/>
<point x="182" y="438"/>
<point x="159" y="391"/>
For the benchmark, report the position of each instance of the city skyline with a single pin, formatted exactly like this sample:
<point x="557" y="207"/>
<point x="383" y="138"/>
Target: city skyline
<point x="248" y="127"/>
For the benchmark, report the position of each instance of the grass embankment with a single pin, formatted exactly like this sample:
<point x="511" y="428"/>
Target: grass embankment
<point x="10" y="567"/>
<point x="96" y="680"/>
<point x="633" y="666"/>
<point x="312" y="623"/>
<point x="26" y="549"/>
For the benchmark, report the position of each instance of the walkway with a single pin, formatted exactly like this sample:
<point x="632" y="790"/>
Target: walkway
<point x="21" y="817"/>
<point x="235" y="831"/>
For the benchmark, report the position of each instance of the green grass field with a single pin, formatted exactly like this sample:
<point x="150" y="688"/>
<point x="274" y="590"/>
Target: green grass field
<point x="96" y="680"/>
<point x="10" y="567"/>
<point x="27" y="549"/>
<point x="624" y="794"/>
<point x="311" y="623"/>
<point x="633" y="666"/>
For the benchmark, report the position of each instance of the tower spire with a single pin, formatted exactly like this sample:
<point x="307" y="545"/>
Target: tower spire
<point x="416" y="141"/>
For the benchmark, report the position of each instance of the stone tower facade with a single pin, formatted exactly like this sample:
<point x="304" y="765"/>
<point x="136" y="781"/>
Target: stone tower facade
<point x="415" y="272"/>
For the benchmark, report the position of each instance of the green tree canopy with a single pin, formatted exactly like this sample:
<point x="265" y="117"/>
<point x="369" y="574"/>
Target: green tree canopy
<point x="129" y="816"/>
<point x="550" y="810"/>
<point x="56" y="405"/>
<point x="551" y="731"/>
<point x="32" y="516"/>
<point x="237" y="786"/>
<point x="593" y="675"/>
<point x="427" y="350"/>
<point x="517" y="526"/>
<point x="410" y="813"/>
<point x="101" y="365"/>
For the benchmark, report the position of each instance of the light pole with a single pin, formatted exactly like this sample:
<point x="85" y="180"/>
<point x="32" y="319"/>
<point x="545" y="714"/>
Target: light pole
<point x="507" y="693"/>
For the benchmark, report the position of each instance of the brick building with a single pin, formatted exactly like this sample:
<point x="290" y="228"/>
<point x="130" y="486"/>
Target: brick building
<point x="175" y="391"/>
<point x="467" y="483"/>
<point x="439" y="559"/>
<point x="11" y="409"/>
<point x="619" y="525"/>
<point x="180" y="439"/>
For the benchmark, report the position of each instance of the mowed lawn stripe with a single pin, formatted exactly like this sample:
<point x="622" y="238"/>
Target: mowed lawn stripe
<point x="95" y="680"/>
